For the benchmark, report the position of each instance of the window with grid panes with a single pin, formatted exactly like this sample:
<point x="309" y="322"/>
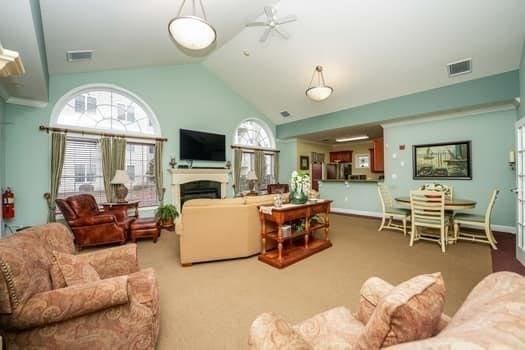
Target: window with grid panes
<point x="82" y="172"/>
<point x="140" y="167"/>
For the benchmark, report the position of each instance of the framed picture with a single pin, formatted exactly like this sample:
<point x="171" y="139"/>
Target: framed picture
<point x="450" y="160"/>
<point x="304" y="163"/>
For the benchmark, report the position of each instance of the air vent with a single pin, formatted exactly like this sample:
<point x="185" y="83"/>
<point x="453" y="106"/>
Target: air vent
<point x="285" y="114"/>
<point x="79" y="55"/>
<point x="459" y="67"/>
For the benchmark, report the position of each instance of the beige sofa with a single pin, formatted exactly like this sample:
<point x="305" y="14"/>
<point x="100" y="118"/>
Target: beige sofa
<point x="217" y="229"/>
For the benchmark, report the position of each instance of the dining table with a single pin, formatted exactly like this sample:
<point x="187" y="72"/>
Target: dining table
<point x="450" y="203"/>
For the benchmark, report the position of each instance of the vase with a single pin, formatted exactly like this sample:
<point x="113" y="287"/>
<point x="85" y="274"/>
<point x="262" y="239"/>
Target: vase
<point x="298" y="197"/>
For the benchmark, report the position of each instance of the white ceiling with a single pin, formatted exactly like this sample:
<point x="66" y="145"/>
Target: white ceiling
<point x="371" y="50"/>
<point x="130" y="33"/>
<point x="329" y="137"/>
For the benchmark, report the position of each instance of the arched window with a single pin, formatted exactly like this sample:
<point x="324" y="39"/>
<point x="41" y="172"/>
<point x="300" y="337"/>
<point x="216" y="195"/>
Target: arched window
<point x="254" y="137"/>
<point x="254" y="133"/>
<point x="106" y="108"/>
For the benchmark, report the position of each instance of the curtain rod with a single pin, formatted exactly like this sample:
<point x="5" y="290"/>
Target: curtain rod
<point x="85" y="132"/>
<point x="269" y="150"/>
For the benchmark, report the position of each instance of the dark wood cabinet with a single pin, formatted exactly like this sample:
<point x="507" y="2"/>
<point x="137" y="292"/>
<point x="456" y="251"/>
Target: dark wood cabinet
<point x="341" y="157"/>
<point x="377" y="156"/>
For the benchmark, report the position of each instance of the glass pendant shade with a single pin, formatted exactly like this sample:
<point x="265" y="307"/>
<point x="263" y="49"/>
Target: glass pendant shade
<point x="320" y="91"/>
<point x="192" y="32"/>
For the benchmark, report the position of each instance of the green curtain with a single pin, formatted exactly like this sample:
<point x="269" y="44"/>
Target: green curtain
<point x="260" y="164"/>
<point x="58" y="152"/>
<point x="118" y="156"/>
<point x="237" y="163"/>
<point x="276" y="167"/>
<point x="107" y="168"/>
<point x="159" y="173"/>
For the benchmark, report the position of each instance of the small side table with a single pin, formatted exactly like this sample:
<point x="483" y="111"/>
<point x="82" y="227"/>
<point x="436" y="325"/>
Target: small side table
<point x="122" y="209"/>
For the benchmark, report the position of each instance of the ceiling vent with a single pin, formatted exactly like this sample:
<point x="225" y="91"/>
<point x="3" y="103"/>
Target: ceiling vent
<point x="459" y="67"/>
<point x="79" y="55"/>
<point x="285" y="114"/>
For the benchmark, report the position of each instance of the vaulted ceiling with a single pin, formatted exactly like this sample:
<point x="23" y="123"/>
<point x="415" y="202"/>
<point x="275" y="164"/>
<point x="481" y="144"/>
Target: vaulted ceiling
<point x="371" y="50"/>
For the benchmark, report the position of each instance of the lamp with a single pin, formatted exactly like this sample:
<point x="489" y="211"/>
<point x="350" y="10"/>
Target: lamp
<point x="320" y="91"/>
<point x="252" y="179"/>
<point x="192" y="32"/>
<point x="10" y="63"/>
<point x="121" y="191"/>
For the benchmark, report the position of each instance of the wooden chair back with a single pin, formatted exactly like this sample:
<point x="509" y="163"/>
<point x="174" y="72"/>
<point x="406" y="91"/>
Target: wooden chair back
<point x="428" y="208"/>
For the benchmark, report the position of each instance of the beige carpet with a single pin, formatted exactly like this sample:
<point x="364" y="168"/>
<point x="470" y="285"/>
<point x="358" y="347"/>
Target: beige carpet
<point x="211" y="305"/>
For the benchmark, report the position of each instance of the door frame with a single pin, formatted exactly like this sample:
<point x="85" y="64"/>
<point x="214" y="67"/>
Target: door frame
<point x="520" y="189"/>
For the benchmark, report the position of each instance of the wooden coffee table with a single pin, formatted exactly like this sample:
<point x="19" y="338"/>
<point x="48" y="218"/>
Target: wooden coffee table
<point x="315" y="217"/>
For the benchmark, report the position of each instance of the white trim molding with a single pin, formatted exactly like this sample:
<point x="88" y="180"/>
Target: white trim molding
<point x="375" y="214"/>
<point x="26" y="102"/>
<point x="459" y="113"/>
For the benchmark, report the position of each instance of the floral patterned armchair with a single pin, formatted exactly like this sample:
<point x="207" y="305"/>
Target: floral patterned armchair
<point x="119" y="311"/>
<point x="492" y="317"/>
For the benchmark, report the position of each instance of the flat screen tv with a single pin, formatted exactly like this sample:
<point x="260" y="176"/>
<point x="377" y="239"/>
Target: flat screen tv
<point x="197" y="145"/>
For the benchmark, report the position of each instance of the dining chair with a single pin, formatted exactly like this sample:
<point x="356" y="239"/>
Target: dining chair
<point x="479" y="222"/>
<point x="428" y="212"/>
<point x="390" y="212"/>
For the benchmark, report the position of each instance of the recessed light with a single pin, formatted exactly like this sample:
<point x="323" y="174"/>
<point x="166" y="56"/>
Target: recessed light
<point x="246" y="53"/>
<point x="353" y="138"/>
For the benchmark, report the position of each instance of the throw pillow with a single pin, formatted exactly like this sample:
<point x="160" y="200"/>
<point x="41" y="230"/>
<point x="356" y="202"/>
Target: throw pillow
<point x="74" y="271"/>
<point x="410" y="311"/>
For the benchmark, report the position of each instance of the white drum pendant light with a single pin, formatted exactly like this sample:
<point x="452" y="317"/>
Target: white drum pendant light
<point x="320" y="91"/>
<point x="192" y="32"/>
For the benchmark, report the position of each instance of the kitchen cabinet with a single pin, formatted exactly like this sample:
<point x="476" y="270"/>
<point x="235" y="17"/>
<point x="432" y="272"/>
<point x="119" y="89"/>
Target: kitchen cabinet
<point x="377" y="156"/>
<point x="341" y="157"/>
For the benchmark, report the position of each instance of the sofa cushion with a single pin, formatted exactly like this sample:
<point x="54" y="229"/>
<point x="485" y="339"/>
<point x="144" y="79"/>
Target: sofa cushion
<point x="332" y="329"/>
<point x="74" y="271"/>
<point x="205" y="202"/>
<point x="410" y="311"/>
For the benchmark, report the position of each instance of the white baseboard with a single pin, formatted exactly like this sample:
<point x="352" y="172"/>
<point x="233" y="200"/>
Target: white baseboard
<point x="374" y="214"/>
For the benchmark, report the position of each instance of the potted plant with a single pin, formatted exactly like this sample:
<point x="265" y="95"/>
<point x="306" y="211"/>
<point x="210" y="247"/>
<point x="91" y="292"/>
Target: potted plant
<point x="167" y="214"/>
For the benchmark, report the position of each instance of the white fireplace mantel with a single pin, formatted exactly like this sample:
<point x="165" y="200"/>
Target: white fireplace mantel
<point x="182" y="176"/>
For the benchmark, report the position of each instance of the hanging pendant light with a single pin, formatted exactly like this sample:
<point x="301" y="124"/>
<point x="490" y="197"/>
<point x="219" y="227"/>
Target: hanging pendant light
<point x="320" y="91"/>
<point x="192" y="32"/>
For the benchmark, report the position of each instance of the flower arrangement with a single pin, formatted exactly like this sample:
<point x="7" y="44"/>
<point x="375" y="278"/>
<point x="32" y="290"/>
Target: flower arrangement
<point x="299" y="187"/>
<point x="436" y="188"/>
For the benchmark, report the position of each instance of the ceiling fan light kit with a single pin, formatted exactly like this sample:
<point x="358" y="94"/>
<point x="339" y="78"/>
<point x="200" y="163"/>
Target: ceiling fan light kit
<point x="320" y="91"/>
<point x="192" y="32"/>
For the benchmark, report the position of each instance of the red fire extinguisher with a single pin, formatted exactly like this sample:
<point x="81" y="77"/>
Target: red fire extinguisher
<point x="8" y="204"/>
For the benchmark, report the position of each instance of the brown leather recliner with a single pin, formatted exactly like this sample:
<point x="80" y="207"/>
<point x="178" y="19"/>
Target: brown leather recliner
<point x="91" y="226"/>
<point x="277" y="188"/>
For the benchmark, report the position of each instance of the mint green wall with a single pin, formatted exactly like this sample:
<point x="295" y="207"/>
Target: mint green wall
<point x="522" y="81"/>
<point x="287" y="159"/>
<point x="492" y="139"/>
<point x="186" y="96"/>
<point x="492" y="136"/>
<point x="496" y="88"/>
<point x="357" y="196"/>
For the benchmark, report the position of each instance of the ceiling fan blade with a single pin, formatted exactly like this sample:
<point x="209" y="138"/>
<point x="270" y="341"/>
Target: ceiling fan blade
<point x="257" y="24"/>
<point x="282" y="32"/>
<point x="265" y="35"/>
<point x="270" y="11"/>
<point x="287" y="19"/>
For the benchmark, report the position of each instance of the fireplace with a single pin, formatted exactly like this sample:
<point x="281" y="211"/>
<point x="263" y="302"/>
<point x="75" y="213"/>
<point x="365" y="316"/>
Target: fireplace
<point x="208" y="179"/>
<point x="199" y="189"/>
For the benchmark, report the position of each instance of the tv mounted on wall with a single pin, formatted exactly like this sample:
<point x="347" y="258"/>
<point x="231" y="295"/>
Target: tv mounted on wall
<point x="197" y="145"/>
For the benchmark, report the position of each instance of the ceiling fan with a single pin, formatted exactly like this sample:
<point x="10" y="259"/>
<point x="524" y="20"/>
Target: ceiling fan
<point x="273" y="23"/>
